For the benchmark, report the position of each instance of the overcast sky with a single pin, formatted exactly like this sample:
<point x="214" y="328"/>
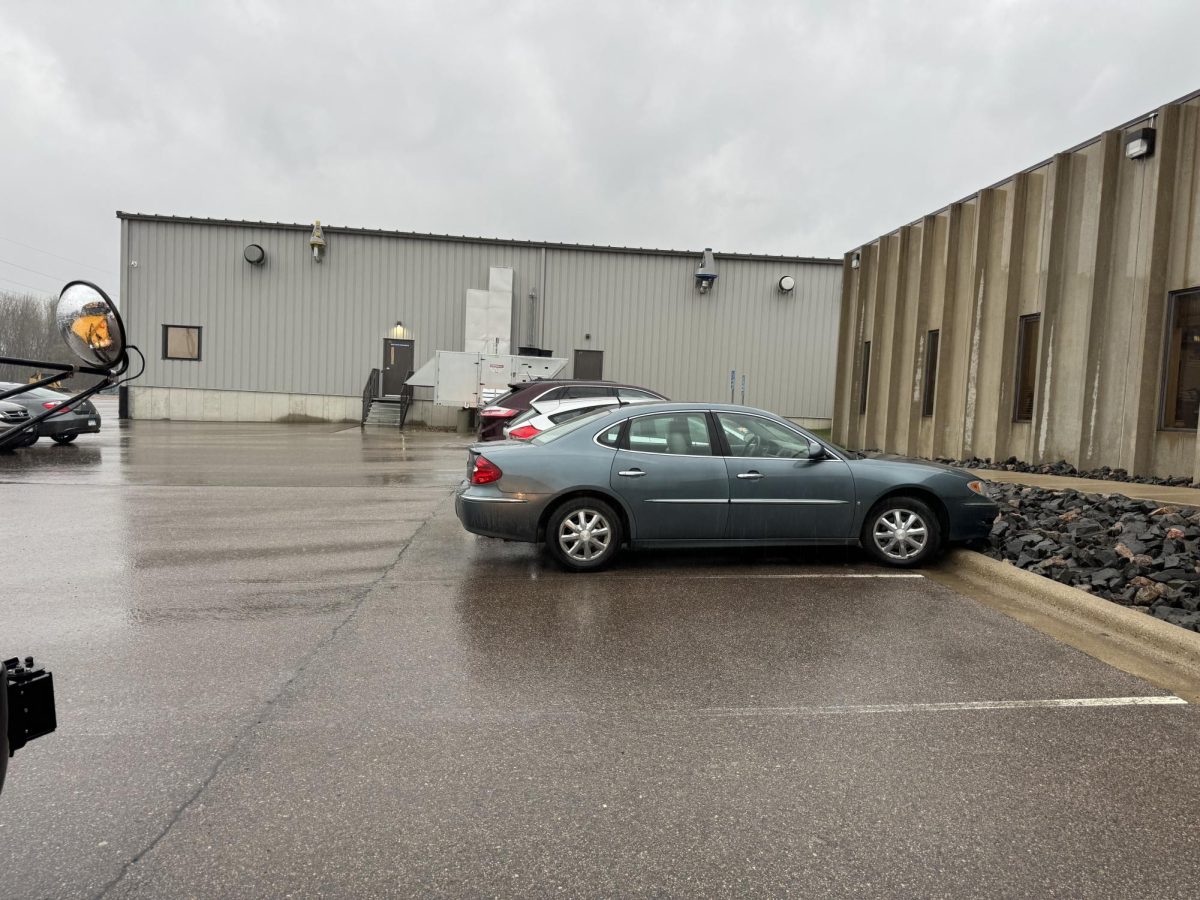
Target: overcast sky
<point x="794" y="127"/>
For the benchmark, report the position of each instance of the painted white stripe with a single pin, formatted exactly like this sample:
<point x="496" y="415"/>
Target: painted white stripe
<point x="1159" y="700"/>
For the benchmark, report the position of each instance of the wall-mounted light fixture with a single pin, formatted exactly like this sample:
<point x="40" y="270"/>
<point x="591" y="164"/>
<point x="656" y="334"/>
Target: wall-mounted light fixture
<point x="787" y="284"/>
<point x="854" y="260"/>
<point x="1139" y="144"/>
<point x="706" y="272"/>
<point x="255" y="254"/>
<point x="317" y="241"/>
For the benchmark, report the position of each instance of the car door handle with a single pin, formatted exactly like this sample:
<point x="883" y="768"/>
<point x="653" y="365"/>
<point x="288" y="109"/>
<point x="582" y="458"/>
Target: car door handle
<point x="751" y="475"/>
<point x="632" y="473"/>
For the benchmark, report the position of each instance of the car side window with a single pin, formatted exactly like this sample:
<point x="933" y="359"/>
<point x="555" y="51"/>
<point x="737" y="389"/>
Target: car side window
<point x="752" y="436"/>
<point x="558" y="393"/>
<point x="629" y="395"/>
<point x="582" y="391"/>
<point x="682" y="434"/>
<point x="611" y="437"/>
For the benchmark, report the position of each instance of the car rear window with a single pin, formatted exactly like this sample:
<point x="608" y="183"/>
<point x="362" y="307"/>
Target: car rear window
<point x="43" y="394"/>
<point x="566" y="428"/>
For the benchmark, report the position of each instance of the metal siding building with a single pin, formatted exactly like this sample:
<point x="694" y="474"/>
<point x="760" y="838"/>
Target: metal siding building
<point x="293" y="339"/>
<point x="1086" y="255"/>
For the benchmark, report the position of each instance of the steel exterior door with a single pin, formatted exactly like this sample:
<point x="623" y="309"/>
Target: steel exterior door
<point x="589" y="365"/>
<point x="397" y="364"/>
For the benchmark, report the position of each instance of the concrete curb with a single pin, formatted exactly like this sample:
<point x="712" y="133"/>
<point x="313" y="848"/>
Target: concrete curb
<point x="1164" y="654"/>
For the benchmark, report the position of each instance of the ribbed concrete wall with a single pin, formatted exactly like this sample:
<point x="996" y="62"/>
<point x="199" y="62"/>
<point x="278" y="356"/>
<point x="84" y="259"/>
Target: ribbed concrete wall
<point x="1090" y="240"/>
<point x="295" y="327"/>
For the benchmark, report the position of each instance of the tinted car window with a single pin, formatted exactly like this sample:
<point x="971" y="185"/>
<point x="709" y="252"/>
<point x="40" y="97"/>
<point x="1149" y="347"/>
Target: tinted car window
<point x="683" y="434"/>
<point x="36" y="393"/>
<point x="633" y="395"/>
<point x="581" y="391"/>
<point x="610" y="437"/>
<point x="752" y="436"/>
<point x="558" y="393"/>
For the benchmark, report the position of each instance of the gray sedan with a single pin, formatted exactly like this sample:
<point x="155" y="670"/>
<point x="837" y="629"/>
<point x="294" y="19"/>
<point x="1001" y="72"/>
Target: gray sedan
<point x="706" y="475"/>
<point x="62" y="427"/>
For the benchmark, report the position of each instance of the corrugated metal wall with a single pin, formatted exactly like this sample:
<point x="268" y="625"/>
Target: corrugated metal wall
<point x="1090" y="240"/>
<point x="295" y="326"/>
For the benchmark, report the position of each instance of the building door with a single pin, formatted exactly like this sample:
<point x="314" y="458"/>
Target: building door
<point x="589" y="364"/>
<point x="397" y="363"/>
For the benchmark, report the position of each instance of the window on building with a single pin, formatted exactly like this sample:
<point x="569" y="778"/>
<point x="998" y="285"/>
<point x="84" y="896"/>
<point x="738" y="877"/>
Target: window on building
<point x="929" y="388"/>
<point x="1181" y="363"/>
<point x="181" y="342"/>
<point x="866" y="376"/>
<point x="1027" y="360"/>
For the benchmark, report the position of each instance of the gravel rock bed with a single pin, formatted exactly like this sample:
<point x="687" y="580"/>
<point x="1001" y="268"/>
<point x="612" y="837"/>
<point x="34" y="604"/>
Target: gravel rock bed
<point x="1134" y="552"/>
<point x="1064" y="468"/>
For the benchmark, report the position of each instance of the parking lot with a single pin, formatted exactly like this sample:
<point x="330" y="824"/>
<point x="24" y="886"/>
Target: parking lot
<point x="283" y="668"/>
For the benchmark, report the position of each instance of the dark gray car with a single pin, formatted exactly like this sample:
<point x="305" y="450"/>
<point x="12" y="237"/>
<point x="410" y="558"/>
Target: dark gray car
<point x="64" y="427"/>
<point x="705" y="475"/>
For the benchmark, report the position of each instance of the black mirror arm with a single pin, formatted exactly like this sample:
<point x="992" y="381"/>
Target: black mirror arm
<point x="14" y="431"/>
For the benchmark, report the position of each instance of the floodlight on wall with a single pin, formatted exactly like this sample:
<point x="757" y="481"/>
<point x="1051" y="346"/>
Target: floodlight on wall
<point x="1139" y="144"/>
<point x="787" y="284"/>
<point x="706" y="272"/>
<point x="854" y="260"/>
<point x="317" y="241"/>
<point x="255" y="254"/>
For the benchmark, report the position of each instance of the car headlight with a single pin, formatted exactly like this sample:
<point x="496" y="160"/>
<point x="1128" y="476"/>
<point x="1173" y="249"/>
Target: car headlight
<point x="977" y="487"/>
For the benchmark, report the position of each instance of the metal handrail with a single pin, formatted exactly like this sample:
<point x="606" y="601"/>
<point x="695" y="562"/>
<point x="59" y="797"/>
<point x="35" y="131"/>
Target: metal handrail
<point x="370" y="392"/>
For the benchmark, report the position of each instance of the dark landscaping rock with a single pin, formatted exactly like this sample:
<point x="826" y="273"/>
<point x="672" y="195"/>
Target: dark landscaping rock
<point x="1063" y="468"/>
<point x="1132" y="552"/>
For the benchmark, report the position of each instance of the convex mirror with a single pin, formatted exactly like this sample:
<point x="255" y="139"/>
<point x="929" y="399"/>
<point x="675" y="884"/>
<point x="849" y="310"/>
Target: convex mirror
<point x="90" y="325"/>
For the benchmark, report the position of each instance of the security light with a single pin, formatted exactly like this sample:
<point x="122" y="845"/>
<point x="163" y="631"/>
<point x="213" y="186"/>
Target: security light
<point x="706" y="272"/>
<point x="317" y="241"/>
<point x="1139" y="144"/>
<point x="854" y="260"/>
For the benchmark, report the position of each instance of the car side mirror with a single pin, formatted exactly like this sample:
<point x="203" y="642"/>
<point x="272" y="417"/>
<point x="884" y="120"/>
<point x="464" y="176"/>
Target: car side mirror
<point x="816" y="450"/>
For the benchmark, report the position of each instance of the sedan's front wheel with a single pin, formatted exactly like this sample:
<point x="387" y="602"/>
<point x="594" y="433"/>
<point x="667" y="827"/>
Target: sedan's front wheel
<point x="583" y="535"/>
<point x="902" y="531"/>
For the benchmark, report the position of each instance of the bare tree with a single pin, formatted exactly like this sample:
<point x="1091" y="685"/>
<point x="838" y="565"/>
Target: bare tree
<point x="27" y="330"/>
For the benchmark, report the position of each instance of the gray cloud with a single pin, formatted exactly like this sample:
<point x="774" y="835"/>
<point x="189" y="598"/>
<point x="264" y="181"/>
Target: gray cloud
<point x="766" y="126"/>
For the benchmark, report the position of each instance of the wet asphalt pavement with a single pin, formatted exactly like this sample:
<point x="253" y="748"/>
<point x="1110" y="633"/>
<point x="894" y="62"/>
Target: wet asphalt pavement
<point x="283" y="669"/>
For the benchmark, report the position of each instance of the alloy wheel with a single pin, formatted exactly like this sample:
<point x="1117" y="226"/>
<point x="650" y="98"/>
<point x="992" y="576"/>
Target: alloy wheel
<point x="584" y="535"/>
<point x="900" y="534"/>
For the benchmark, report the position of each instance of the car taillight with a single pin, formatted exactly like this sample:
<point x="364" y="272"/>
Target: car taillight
<point x="53" y="404"/>
<point x="497" y="412"/>
<point x="485" y="471"/>
<point x="524" y="432"/>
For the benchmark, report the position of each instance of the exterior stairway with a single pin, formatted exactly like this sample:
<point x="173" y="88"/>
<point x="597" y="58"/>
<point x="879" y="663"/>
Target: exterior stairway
<point x="388" y="411"/>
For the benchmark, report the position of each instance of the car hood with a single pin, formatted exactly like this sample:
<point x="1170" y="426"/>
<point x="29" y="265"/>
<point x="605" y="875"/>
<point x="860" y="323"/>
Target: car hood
<point x="878" y="457"/>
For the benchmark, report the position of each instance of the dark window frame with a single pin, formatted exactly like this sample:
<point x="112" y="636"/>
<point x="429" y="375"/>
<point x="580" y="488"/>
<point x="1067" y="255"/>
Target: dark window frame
<point x="866" y="377"/>
<point x="933" y="345"/>
<point x="199" y="357"/>
<point x="1022" y="341"/>
<point x="1173" y="298"/>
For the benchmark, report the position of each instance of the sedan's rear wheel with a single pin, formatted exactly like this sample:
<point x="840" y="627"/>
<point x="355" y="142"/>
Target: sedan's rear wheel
<point x="902" y="531"/>
<point x="583" y="535"/>
<point x="64" y="438"/>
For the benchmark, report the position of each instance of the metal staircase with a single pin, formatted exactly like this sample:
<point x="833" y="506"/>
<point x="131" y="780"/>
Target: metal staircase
<point x="388" y="411"/>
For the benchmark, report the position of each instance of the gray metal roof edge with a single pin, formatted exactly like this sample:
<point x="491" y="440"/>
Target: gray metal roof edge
<point x="1186" y="98"/>
<point x="414" y="235"/>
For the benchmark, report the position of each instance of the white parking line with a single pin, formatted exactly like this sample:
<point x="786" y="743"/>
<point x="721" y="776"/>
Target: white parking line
<point x="1159" y="700"/>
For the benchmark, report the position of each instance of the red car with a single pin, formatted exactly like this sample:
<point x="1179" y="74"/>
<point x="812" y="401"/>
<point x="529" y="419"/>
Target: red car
<point x="493" y="418"/>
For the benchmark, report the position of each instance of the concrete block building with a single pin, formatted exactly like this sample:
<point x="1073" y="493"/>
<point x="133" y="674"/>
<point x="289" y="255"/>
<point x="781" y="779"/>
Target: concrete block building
<point x="1053" y="315"/>
<point x="242" y="321"/>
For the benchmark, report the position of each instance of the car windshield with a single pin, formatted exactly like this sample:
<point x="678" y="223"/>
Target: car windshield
<point x="566" y="428"/>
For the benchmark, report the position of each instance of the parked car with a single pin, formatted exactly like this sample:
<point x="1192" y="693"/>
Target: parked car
<point x="14" y="414"/>
<point x="62" y="427"/>
<point x="497" y="414"/>
<point x="545" y="414"/>
<point x="706" y="475"/>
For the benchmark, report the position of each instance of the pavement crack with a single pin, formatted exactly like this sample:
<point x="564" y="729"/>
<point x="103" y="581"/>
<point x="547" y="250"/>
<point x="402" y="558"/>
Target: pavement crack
<point x="356" y="603"/>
